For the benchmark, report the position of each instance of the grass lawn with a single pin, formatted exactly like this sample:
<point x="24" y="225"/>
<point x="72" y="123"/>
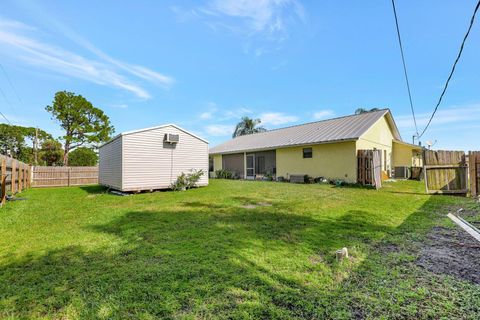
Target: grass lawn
<point x="211" y="253"/>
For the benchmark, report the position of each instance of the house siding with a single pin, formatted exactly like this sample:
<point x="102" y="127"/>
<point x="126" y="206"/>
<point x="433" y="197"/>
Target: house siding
<point x="330" y="160"/>
<point x="149" y="163"/>
<point x="110" y="164"/>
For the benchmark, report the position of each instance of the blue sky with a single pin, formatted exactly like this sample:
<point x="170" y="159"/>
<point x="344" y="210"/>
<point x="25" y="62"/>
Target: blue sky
<point x="204" y="64"/>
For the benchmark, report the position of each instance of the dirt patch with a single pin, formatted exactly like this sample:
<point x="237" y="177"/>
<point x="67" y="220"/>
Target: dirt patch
<point x="256" y="205"/>
<point x="451" y="251"/>
<point x="387" y="248"/>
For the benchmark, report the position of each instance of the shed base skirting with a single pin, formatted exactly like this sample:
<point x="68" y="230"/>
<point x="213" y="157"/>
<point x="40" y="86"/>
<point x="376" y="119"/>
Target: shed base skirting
<point x="149" y="188"/>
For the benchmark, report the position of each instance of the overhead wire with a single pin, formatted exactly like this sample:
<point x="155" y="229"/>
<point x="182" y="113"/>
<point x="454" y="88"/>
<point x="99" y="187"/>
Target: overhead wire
<point x="10" y="82"/>
<point x="472" y="20"/>
<point x="4" y="117"/>
<point x="404" y="67"/>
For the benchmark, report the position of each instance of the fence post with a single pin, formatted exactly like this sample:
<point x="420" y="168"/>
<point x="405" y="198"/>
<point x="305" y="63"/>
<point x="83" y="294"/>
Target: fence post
<point x="3" y="182"/>
<point x="13" y="176"/>
<point x="29" y="176"/>
<point x="20" y="177"/>
<point x="472" y="165"/>
<point x="25" y="171"/>
<point x="69" y="172"/>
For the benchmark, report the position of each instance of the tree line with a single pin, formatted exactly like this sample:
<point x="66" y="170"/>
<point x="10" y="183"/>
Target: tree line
<point x="84" y="126"/>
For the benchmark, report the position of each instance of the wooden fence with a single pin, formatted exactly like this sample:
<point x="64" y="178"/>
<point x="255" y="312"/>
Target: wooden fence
<point x="63" y="176"/>
<point x="445" y="172"/>
<point x="474" y="168"/>
<point x="369" y="168"/>
<point x="15" y="176"/>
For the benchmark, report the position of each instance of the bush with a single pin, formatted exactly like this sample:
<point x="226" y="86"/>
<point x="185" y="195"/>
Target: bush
<point x="187" y="181"/>
<point x="320" y="180"/>
<point x="224" y="174"/>
<point x="307" y="179"/>
<point x="268" y="177"/>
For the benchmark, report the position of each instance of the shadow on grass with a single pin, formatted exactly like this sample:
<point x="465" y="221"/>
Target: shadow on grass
<point x="94" y="189"/>
<point x="189" y="263"/>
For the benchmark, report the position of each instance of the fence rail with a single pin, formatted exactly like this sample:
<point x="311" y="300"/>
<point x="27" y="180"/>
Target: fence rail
<point x="63" y="176"/>
<point x="14" y="177"/>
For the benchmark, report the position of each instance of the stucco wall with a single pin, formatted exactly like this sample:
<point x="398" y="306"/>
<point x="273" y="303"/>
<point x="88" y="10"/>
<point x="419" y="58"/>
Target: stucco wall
<point x="402" y="155"/>
<point x="217" y="162"/>
<point x="380" y="137"/>
<point x="331" y="160"/>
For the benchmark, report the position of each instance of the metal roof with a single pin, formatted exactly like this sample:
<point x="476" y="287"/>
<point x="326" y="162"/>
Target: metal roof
<point x="345" y="128"/>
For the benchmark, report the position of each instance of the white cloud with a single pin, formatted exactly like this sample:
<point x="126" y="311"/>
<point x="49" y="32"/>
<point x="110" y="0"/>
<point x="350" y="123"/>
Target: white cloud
<point x="323" y="114"/>
<point x="265" y="16"/>
<point x="219" y="130"/>
<point x="103" y="71"/>
<point x="276" y="118"/>
<point x="206" y="115"/>
<point x="262" y="24"/>
<point x="119" y="106"/>
<point x="448" y="115"/>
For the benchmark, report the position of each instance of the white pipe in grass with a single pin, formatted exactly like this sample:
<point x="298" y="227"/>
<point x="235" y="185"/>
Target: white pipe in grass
<point x="471" y="230"/>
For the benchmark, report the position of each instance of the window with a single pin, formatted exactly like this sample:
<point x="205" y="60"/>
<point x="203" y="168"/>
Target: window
<point x="260" y="165"/>
<point x="307" y="153"/>
<point x="210" y="164"/>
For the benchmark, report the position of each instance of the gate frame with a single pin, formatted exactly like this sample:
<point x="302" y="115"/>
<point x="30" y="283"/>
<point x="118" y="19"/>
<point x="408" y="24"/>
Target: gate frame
<point x="474" y="172"/>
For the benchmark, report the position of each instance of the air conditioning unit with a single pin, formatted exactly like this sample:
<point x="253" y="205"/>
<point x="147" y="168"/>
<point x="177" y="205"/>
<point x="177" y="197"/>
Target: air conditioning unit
<point x="171" y="138"/>
<point x="402" y="172"/>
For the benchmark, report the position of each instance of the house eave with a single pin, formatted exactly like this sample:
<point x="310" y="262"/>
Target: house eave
<point x="282" y="146"/>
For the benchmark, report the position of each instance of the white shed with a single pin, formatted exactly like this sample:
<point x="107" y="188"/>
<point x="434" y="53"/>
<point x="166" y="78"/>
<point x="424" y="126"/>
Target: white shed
<point x="151" y="158"/>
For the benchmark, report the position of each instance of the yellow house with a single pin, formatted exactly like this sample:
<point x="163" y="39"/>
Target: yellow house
<point x="325" y="148"/>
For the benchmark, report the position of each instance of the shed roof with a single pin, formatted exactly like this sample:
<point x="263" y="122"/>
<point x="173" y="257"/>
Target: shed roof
<point x="153" y="128"/>
<point x="345" y="128"/>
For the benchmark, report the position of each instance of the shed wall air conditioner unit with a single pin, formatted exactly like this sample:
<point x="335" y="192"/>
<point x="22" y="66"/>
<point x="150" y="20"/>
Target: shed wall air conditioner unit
<point x="402" y="172"/>
<point x="171" y="138"/>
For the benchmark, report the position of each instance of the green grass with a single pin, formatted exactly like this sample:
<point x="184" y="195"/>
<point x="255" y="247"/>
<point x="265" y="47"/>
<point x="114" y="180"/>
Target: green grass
<point x="81" y="253"/>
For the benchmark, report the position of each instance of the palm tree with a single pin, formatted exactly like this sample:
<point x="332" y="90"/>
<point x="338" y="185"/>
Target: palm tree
<point x="363" y="110"/>
<point x="248" y="126"/>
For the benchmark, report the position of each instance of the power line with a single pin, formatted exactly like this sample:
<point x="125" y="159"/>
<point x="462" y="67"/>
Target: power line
<point x="404" y="66"/>
<point x="1" y="113"/>
<point x="472" y="20"/>
<point x="6" y="99"/>
<point x="11" y="83"/>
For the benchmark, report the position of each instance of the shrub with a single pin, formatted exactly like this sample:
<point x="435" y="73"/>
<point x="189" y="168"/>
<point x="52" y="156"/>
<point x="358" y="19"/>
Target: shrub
<point x="268" y="177"/>
<point x="320" y="180"/>
<point x="187" y="181"/>
<point x="224" y="174"/>
<point x="307" y="179"/>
